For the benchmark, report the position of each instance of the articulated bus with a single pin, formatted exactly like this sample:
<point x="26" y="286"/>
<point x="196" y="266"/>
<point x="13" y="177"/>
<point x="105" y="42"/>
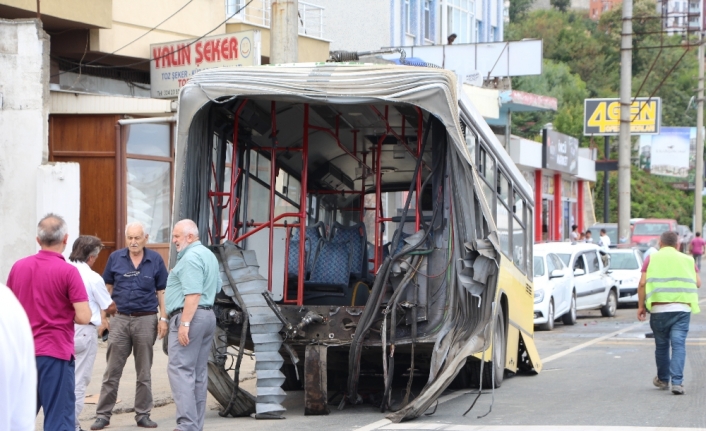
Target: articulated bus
<point x="374" y="237"/>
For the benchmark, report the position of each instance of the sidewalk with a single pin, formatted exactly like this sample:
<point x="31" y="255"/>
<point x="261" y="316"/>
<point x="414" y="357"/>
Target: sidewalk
<point x="161" y="391"/>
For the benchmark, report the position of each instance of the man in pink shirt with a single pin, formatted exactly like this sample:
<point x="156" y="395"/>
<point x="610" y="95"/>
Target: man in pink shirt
<point x="54" y="297"/>
<point x="697" y="249"/>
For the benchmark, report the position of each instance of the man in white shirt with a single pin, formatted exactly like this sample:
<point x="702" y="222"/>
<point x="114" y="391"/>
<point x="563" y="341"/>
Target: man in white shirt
<point x="604" y="240"/>
<point x="18" y="371"/>
<point x="83" y="255"/>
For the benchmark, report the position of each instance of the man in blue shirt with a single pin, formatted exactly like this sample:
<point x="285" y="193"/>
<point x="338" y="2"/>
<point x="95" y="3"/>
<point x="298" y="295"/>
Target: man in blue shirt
<point x="191" y="291"/>
<point x="136" y="278"/>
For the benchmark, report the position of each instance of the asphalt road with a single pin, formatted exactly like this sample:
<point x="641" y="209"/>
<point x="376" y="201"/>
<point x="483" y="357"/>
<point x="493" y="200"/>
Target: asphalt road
<point x="597" y="376"/>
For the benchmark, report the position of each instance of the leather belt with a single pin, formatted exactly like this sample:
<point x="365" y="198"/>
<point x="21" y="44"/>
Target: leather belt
<point x="138" y="313"/>
<point x="180" y="310"/>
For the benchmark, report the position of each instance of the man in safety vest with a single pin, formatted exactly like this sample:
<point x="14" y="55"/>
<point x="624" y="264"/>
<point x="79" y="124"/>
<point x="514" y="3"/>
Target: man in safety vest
<point x="668" y="290"/>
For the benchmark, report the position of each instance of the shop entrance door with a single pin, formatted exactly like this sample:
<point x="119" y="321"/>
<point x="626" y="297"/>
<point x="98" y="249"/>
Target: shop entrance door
<point x="547" y="218"/>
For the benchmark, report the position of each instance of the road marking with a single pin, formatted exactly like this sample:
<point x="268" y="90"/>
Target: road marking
<point x="591" y="342"/>
<point x="452" y="427"/>
<point x="597" y="340"/>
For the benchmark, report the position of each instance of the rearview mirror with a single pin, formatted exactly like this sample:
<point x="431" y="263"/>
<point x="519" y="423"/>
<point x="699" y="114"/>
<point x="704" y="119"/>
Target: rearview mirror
<point x="579" y="272"/>
<point x="557" y="273"/>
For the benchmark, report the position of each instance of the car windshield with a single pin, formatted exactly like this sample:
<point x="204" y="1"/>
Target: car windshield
<point x="565" y="258"/>
<point x="623" y="261"/>
<point x="538" y="266"/>
<point x="650" y="228"/>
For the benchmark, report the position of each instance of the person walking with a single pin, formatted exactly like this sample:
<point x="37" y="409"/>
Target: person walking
<point x="604" y="240"/>
<point x="18" y="373"/>
<point x="136" y="277"/>
<point x="53" y="296"/>
<point x="667" y="290"/>
<point x="696" y="248"/>
<point x="84" y="253"/>
<point x="191" y="291"/>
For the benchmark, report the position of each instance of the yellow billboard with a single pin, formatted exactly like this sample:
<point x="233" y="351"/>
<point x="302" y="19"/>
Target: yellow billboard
<point x="602" y="116"/>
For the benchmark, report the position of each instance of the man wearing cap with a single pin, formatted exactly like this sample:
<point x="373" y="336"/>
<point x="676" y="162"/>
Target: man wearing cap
<point x="191" y="291"/>
<point x="136" y="277"/>
<point x="83" y="255"/>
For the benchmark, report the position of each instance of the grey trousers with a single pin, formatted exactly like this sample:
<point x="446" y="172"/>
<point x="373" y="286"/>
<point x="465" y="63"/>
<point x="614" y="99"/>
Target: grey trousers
<point x="85" y="349"/>
<point x="188" y="369"/>
<point x="128" y="335"/>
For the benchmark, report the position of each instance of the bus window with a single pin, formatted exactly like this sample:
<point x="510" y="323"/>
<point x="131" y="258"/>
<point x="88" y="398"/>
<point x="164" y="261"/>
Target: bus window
<point x="503" y="224"/>
<point x="470" y="141"/>
<point x="504" y="188"/>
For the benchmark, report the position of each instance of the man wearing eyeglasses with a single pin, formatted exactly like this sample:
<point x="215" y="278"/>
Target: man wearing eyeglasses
<point x="136" y="278"/>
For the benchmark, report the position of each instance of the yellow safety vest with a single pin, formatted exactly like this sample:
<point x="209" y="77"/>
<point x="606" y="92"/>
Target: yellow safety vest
<point x="671" y="278"/>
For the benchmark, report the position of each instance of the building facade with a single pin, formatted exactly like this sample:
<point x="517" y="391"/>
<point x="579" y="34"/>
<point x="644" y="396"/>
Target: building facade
<point x="680" y="16"/>
<point x="393" y="23"/>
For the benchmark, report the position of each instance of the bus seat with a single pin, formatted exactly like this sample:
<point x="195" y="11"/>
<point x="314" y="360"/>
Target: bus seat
<point x="356" y="236"/>
<point x="314" y="234"/>
<point x="293" y="257"/>
<point x="332" y="265"/>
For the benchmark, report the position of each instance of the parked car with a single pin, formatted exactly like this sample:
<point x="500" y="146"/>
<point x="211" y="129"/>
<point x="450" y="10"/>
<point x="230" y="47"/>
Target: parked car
<point x="554" y="296"/>
<point x="611" y="229"/>
<point x="645" y="230"/>
<point x="625" y="265"/>
<point x="594" y="286"/>
<point x="685" y="237"/>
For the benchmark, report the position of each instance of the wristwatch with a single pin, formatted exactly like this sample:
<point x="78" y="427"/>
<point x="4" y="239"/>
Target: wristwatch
<point x="187" y="324"/>
<point x="163" y="319"/>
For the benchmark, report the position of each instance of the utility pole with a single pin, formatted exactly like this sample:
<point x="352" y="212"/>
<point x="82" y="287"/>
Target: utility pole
<point x="284" y="31"/>
<point x="699" y="181"/>
<point x="625" y="146"/>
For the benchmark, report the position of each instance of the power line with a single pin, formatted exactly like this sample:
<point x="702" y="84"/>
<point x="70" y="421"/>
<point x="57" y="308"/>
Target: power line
<point x="171" y="52"/>
<point x="126" y="45"/>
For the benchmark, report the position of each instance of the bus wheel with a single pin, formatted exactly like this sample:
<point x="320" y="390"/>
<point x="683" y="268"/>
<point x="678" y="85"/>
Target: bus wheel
<point x="499" y="351"/>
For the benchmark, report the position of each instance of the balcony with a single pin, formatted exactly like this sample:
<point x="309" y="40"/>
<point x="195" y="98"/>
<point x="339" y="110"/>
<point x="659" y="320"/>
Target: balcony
<point x="311" y="16"/>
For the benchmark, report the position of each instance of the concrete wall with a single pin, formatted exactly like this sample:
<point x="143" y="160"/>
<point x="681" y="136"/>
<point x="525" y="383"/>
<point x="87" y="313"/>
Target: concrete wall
<point x="358" y="25"/>
<point x="24" y="113"/>
<point x="133" y="18"/>
<point x="59" y="192"/>
<point x="93" y="13"/>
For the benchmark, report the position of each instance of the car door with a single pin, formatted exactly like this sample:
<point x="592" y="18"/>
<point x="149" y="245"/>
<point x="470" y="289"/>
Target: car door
<point x="598" y="279"/>
<point x="582" y="282"/>
<point x="562" y="286"/>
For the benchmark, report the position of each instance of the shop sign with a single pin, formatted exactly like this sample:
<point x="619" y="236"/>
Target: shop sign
<point x="601" y="117"/>
<point x="671" y="155"/>
<point x="560" y="152"/>
<point x="174" y="63"/>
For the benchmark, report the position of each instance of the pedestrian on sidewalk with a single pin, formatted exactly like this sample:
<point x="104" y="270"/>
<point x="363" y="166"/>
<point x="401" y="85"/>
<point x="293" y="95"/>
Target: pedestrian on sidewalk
<point x="668" y="290"/>
<point x="18" y="372"/>
<point x="574" y="235"/>
<point x="696" y="248"/>
<point x="136" y="278"/>
<point x="52" y="293"/>
<point x="83" y="255"/>
<point x="191" y="291"/>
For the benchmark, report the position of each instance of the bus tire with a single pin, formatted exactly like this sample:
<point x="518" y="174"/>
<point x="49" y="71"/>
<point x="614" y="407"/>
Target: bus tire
<point x="498" y="362"/>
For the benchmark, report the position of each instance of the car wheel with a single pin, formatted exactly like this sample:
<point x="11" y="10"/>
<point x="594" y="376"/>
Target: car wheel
<point x="608" y="310"/>
<point x="550" y="317"/>
<point x="570" y="317"/>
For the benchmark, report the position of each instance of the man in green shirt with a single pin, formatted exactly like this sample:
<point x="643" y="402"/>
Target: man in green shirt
<point x="191" y="290"/>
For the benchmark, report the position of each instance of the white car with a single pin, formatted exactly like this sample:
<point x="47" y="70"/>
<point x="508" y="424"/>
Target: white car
<point x="625" y="265"/>
<point x="554" y="296"/>
<point x="594" y="286"/>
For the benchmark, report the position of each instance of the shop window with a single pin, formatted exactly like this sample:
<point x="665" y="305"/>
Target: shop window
<point x="148" y="185"/>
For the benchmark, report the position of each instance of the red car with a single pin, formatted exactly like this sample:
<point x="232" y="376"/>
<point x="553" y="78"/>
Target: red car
<point x="647" y="230"/>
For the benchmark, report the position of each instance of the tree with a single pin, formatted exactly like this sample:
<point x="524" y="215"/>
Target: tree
<point x="519" y="8"/>
<point x="560" y="5"/>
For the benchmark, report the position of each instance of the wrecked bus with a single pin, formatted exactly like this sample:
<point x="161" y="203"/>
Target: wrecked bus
<point x="373" y="235"/>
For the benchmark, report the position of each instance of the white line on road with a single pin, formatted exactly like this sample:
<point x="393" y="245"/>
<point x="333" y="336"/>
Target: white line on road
<point x="451" y="427"/>
<point x="591" y="342"/>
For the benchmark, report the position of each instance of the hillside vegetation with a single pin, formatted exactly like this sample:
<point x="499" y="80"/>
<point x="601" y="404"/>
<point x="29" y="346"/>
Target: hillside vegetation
<point x="582" y="60"/>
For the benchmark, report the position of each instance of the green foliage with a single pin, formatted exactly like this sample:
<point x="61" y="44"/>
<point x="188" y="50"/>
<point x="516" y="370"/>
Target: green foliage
<point x="519" y="8"/>
<point x="560" y="5"/>
<point x="650" y="196"/>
